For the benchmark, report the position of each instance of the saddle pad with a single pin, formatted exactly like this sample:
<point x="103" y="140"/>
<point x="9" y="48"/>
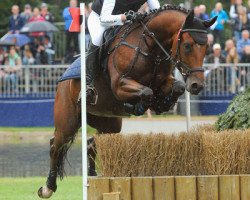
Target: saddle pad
<point x="73" y="71"/>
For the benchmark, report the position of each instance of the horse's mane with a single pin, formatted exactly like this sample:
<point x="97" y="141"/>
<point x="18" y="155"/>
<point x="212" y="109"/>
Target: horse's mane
<point x="165" y="7"/>
<point x="169" y="7"/>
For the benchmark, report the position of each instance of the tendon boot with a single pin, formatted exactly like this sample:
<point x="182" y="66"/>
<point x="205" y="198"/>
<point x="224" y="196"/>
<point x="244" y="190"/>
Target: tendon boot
<point x="92" y="69"/>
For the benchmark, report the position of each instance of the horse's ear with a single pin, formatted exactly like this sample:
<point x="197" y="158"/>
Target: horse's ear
<point x="190" y="17"/>
<point x="209" y="22"/>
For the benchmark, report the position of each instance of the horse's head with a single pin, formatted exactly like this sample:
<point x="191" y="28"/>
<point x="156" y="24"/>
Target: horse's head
<point x="190" y="48"/>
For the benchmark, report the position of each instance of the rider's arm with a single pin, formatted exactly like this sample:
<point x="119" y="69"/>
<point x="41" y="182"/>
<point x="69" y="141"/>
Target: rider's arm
<point x="106" y="17"/>
<point x="153" y="4"/>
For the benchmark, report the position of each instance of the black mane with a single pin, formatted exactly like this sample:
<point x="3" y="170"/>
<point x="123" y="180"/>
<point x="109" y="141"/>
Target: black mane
<point x="165" y="8"/>
<point x="169" y="7"/>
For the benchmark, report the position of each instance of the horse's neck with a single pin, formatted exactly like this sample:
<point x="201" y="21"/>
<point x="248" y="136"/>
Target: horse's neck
<point x="166" y="25"/>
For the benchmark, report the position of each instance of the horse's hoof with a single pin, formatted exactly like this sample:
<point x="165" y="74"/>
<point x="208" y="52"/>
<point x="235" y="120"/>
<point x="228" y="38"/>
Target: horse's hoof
<point x="44" y="192"/>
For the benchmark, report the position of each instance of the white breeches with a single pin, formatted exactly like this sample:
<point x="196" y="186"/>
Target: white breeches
<point x="96" y="30"/>
<point x="97" y="24"/>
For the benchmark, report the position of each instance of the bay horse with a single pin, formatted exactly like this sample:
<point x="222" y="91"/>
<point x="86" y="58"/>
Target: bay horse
<point x="141" y="60"/>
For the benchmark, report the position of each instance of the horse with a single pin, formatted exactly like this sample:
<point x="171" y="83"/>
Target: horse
<point x="139" y="75"/>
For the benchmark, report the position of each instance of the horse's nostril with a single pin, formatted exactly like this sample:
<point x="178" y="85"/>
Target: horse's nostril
<point x="195" y="86"/>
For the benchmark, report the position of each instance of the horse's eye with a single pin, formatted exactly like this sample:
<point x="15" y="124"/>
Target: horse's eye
<point x="187" y="47"/>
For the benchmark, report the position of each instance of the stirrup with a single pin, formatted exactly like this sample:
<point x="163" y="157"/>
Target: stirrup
<point x="94" y="95"/>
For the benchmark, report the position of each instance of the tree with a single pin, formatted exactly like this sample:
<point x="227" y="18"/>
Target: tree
<point x="237" y="115"/>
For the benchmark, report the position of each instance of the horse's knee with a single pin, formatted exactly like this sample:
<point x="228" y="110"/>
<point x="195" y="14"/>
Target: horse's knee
<point x="178" y="88"/>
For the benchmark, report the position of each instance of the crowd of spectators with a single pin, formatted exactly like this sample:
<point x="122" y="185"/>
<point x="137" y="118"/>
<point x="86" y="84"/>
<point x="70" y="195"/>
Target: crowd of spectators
<point x="40" y="50"/>
<point x="232" y="50"/>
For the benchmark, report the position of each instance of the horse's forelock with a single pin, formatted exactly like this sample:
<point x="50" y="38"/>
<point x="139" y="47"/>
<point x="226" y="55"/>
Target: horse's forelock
<point x="200" y="38"/>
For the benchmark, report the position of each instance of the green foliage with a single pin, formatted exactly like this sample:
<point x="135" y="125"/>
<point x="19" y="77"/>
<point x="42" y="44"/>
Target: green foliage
<point x="237" y="115"/>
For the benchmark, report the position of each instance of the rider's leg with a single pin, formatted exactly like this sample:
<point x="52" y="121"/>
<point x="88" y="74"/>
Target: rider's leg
<point x="92" y="61"/>
<point x="92" y="68"/>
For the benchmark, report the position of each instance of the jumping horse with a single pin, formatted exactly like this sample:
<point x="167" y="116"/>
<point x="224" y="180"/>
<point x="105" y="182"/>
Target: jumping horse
<point x="138" y="76"/>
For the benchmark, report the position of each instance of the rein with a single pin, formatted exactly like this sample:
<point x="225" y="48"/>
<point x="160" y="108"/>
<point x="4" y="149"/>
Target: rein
<point x="184" y="69"/>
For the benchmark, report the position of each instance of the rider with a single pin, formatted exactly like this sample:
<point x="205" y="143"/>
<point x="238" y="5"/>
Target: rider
<point x="106" y="13"/>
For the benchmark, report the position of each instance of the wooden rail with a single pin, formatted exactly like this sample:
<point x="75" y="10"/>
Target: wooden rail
<point x="235" y="187"/>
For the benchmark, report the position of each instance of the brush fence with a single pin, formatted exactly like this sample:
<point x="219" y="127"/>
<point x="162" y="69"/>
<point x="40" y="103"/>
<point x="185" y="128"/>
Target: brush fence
<point x="171" y="188"/>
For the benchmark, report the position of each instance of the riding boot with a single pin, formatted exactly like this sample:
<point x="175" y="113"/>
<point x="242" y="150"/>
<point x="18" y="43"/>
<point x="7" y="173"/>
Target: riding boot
<point x="92" y="69"/>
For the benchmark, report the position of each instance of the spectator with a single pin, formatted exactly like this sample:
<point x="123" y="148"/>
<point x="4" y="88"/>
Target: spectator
<point x="49" y="49"/>
<point x="216" y="57"/>
<point x="28" y="58"/>
<point x="243" y="48"/>
<point x="16" y="22"/>
<point x="231" y="52"/>
<point x="197" y="11"/>
<point x="36" y="17"/>
<point x="248" y="16"/>
<point x="232" y="57"/>
<point x="27" y="13"/>
<point x="216" y="76"/>
<point x="46" y="14"/>
<point x="13" y="62"/>
<point x="238" y="14"/>
<point x="2" y="56"/>
<point x="203" y="15"/>
<point x="41" y="55"/>
<point x="243" y="43"/>
<point x="70" y="36"/>
<point x="210" y="42"/>
<point x="218" y="30"/>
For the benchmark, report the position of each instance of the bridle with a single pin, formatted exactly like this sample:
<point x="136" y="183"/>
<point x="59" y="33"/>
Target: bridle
<point x="176" y="61"/>
<point x="184" y="68"/>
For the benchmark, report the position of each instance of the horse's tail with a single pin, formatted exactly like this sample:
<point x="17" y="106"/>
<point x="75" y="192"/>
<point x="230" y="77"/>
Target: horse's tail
<point x="62" y="157"/>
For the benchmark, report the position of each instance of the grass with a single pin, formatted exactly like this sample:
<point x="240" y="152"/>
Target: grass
<point x="26" y="188"/>
<point x="17" y="135"/>
<point x="26" y="129"/>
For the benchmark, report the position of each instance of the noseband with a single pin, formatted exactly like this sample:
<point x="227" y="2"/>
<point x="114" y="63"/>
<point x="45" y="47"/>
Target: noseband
<point x="184" y="69"/>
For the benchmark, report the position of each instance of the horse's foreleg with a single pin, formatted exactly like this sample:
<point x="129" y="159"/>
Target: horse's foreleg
<point x="168" y="95"/>
<point x="130" y="90"/>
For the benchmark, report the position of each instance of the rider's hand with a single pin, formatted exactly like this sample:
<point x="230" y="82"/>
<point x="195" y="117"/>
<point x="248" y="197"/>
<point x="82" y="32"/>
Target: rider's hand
<point x="123" y="18"/>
